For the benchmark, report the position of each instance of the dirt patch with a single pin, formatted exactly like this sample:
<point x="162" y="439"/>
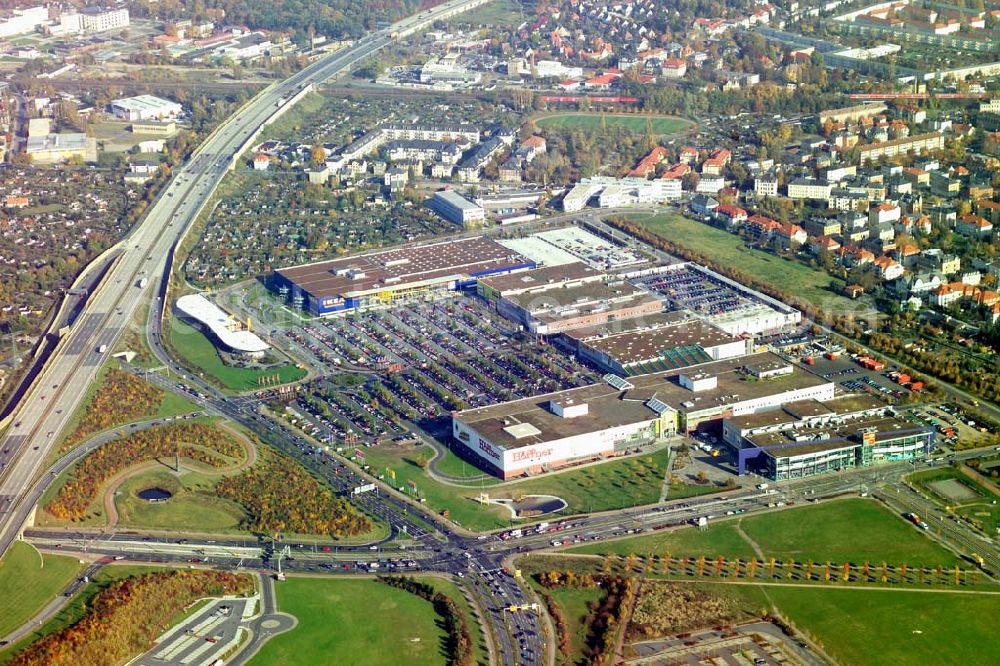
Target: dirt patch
<point x="953" y="490"/>
<point x="668" y="608"/>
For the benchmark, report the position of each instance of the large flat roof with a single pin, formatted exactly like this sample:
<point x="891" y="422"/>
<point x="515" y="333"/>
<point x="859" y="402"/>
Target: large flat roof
<point x="642" y="345"/>
<point x="635" y="324"/>
<point x="539" y="251"/>
<point x="456" y="200"/>
<point x="806" y="409"/>
<point x="591" y="248"/>
<point x="63" y="141"/>
<point x="587" y="298"/>
<point x="835" y="435"/>
<point x="144" y="103"/>
<point x="401" y="267"/>
<point x="220" y="323"/>
<point x="541" y="279"/>
<point x="609" y="407"/>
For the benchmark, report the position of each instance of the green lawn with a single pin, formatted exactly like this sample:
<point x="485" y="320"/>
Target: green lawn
<point x="450" y="589"/>
<point x="610" y="485"/>
<point x="353" y="622"/>
<point x="201" y="353"/>
<point x="573" y="602"/>
<point x="194" y="506"/>
<point x="884" y="627"/>
<point x="852" y="530"/>
<point x="730" y="250"/>
<point x="630" y="122"/>
<point x="29" y="581"/>
<point x="499" y="13"/>
<point x="984" y="514"/>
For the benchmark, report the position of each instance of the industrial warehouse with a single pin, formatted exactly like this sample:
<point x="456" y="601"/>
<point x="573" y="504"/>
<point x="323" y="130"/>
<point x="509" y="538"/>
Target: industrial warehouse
<point x="340" y="285"/>
<point x="811" y="437"/>
<point x="537" y="434"/>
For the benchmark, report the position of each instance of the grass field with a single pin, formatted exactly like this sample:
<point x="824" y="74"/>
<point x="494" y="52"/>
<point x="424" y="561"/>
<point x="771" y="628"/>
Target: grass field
<point x="353" y="622"/>
<point x="611" y="485"/>
<point x="886" y="628"/>
<point x="450" y="589"/>
<point x="854" y="530"/>
<point x="200" y="353"/>
<point x="573" y="602"/>
<point x="730" y="250"/>
<point x="29" y="581"/>
<point x="194" y="504"/>
<point x="630" y="122"/>
<point x="499" y="13"/>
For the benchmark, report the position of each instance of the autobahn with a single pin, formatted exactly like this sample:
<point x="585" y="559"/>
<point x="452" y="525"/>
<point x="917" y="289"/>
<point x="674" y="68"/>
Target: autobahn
<point x="46" y="408"/>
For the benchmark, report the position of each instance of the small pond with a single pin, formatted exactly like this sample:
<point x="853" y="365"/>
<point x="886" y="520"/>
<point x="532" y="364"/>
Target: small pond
<point x="532" y="505"/>
<point x="155" y="494"/>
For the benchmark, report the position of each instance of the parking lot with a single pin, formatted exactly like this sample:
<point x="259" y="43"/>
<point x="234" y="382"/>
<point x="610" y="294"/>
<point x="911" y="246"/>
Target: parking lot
<point x="206" y="636"/>
<point x="415" y="365"/>
<point x="852" y="378"/>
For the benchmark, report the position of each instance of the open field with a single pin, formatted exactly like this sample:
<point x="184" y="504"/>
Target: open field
<point x="450" y="589"/>
<point x="729" y="249"/>
<point x="573" y="602"/>
<point x="353" y="622"/>
<point x="194" y="503"/>
<point x="853" y="530"/>
<point x="610" y="485"/>
<point x="631" y="122"/>
<point x="884" y="627"/>
<point x="499" y="13"/>
<point x="200" y="353"/>
<point x="29" y="580"/>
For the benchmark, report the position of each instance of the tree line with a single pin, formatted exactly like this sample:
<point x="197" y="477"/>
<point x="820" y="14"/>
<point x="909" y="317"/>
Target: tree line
<point x="607" y="614"/>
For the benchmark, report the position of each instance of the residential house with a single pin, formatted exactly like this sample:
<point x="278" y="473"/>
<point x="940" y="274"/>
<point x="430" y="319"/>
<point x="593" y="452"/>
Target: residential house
<point x="716" y="162"/>
<point x="974" y="226"/>
<point x="820" y="244"/>
<point x="888" y="268"/>
<point x="791" y="235"/>
<point x="884" y="213"/>
<point x="822" y="226"/>
<point x="809" y="188"/>
<point x="733" y="216"/>
<point x="703" y="205"/>
<point x="766" y="185"/>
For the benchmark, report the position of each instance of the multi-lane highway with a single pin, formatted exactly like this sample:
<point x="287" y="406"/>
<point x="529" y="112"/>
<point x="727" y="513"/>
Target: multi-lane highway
<point x="44" y="411"/>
